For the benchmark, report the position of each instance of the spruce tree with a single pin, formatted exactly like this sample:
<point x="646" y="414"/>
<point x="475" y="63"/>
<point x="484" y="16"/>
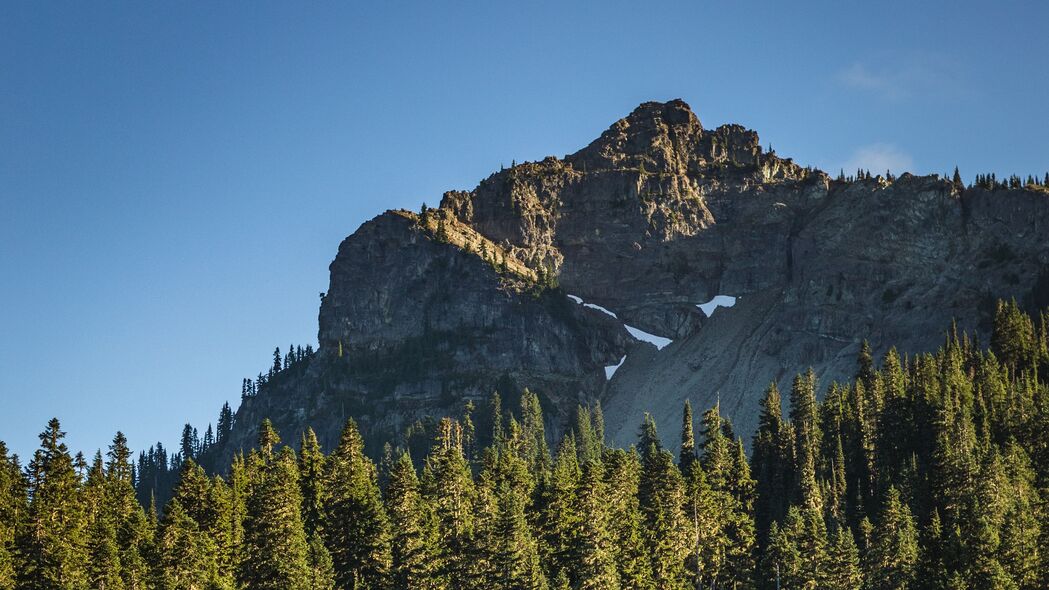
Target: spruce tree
<point x="843" y="562"/>
<point x="12" y="510"/>
<point x="355" y="523"/>
<point x="275" y="548"/>
<point x="534" y="448"/>
<point x="185" y="557"/>
<point x="626" y="523"/>
<point x="560" y="518"/>
<point x="225" y="423"/>
<point x="311" y="484"/>
<point x="413" y="538"/>
<point x="449" y="488"/>
<point x="321" y="571"/>
<point x="103" y="555"/>
<point x="667" y="527"/>
<point x="596" y="567"/>
<point x="51" y="543"/>
<point x="514" y="554"/>
<point x="688" y="439"/>
<point x="894" y="548"/>
<point x="807" y="439"/>
<point x="771" y="462"/>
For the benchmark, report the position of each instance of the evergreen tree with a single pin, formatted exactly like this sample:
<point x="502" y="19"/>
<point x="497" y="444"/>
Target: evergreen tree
<point x="225" y="424"/>
<point x="560" y="518"/>
<point x="311" y="484"/>
<point x="513" y="552"/>
<point x="321" y="571"/>
<point x="103" y="555"/>
<point x="534" y="448"/>
<point x="355" y="523"/>
<point x="894" y="549"/>
<point x="449" y="488"/>
<point x="414" y="542"/>
<point x="622" y="469"/>
<point x="51" y="544"/>
<point x="843" y="563"/>
<point x="596" y="568"/>
<point x="667" y="527"/>
<point x="807" y="439"/>
<point x="688" y="439"/>
<point x="277" y="554"/>
<point x="187" y="446"/>
<point x="772" y="462"/>
<point x="185" y="557"/>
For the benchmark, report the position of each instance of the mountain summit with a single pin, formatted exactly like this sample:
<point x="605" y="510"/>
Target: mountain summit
<point x="582" y="279"/>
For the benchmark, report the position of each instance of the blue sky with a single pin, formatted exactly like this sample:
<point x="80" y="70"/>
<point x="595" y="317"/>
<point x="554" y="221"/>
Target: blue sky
<point x="176" y="177"/>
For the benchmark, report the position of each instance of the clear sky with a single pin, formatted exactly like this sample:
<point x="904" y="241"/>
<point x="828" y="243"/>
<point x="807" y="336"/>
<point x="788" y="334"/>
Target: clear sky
<point x="176" y="177"/>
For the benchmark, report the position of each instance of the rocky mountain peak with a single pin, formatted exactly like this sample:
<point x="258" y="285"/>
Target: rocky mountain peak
<point x="560" y="276"/>
<point x="657" y="136"/>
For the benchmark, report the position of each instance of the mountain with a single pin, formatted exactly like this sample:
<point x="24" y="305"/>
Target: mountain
<point x="549" y="275"/>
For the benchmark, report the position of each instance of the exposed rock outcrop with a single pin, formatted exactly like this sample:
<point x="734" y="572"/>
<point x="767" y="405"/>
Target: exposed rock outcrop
<point x="652" y="218"/>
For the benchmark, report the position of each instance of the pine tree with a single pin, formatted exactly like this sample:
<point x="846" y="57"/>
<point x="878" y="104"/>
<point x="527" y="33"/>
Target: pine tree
<point x="449" y="488"/>
<point x="596" y="567"/>
<point x="311" y="484"/>
<point x="843" y="561"/>
<point x="513" y="553"/>
<point x="559" y="521"/>
<point x="688" y="439"/>
<point x="626" y="522"/>
<point x="185" y="556"/>
<point x="771" y="462"/>
<point x="103" y="555"/>
<point x="667" y="526"/>
<point x="803" y="416"/>
<point x="413" y="536"/>
<point x="355" y="523"/>
<point x="321" y="571"/>
<point x="275" y="547"/>
<point x="894" y="548"/>
<point x="51" y="544"/>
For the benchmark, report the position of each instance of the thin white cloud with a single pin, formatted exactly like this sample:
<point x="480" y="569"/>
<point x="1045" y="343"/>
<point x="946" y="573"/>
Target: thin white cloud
<point x="879" y="157"/>
<point x="861" y="77"/>
<point x="901" y="77"/>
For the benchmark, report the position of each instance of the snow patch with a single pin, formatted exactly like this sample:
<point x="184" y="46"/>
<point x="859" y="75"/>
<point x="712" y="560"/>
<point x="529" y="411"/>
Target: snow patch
<point x="611" y="369"/>
<point x="601" y="309"/>
<point x="659" y="341"/>
<point x="579" y="300"/>
<point x="718" y="301"/>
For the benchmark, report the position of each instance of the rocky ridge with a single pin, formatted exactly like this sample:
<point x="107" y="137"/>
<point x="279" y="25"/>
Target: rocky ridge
<point x="428" y="311"/>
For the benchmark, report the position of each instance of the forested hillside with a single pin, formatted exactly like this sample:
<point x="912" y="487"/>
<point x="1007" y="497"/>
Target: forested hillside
<point x="925" y="472"/>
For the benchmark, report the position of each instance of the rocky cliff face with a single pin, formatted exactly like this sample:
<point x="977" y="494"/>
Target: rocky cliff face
<point x="656" y="216"/>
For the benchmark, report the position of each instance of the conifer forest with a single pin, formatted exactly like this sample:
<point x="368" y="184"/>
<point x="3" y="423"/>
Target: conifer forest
<point x="923" y="472"/>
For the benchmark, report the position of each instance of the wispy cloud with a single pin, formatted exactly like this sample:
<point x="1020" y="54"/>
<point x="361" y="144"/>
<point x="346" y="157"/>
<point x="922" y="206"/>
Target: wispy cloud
<point x="879" y="157"/>
<point x="901" y="77"/>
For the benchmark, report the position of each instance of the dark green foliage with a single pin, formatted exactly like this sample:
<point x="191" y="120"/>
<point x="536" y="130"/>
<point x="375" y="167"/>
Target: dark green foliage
<point x="412" y="529"/>
<point x="930" y="472"/>
<point x="355" y="524"/>
<point x="51" y="543"/>
<point x="311" y="483"/>
<point x="275" y="548"/>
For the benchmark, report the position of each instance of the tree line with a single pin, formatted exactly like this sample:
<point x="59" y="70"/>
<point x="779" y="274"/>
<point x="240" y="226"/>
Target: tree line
<point x="926" y="472"/>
